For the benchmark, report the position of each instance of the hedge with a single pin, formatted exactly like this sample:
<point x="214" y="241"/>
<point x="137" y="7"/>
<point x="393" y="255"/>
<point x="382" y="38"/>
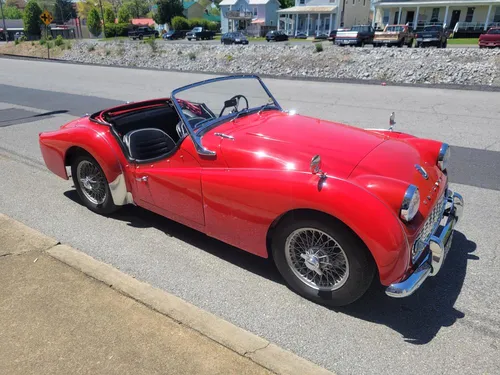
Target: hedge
<point x="181" y="23"/>
<point x="116" y="29"/>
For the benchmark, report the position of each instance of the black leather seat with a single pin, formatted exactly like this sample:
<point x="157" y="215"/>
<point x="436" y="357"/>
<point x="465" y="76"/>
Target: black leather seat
<point x="148" y="144"/>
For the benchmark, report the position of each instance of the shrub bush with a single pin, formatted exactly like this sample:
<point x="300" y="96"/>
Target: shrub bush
<point x="16" y="42"/>
<point x="180" y="23"/>
<point x="153" y="45"/>
<point x="116" y="29"/>
<point x="319" y="47"/>
<point x="42" y="41"/>
<point x="59" y="41"/>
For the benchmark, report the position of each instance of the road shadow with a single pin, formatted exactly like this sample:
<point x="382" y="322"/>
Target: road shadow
<point x="418" y="318"/>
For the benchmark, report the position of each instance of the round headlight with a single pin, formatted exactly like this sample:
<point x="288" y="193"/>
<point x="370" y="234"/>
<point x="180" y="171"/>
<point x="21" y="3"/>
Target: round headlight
<point x="444" y="156"/>
<point x="411" y="202"/>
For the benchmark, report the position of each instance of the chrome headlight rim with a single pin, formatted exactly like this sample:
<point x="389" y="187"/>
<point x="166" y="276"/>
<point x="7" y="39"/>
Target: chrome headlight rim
<point x="410" y="204"/>
<point x="443" y="156"/>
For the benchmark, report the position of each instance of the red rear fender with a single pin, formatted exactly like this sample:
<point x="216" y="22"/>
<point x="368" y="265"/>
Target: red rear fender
<point x="57" y="147"/>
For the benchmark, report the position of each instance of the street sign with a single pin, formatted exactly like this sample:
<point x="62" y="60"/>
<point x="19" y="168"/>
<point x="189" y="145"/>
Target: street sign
<point x="46" y="17"/>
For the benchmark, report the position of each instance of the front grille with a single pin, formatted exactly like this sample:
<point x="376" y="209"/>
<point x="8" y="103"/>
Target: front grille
<point x="429" y="227"/>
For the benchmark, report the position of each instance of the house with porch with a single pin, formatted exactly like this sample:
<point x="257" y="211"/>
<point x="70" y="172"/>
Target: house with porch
<point x="314" y="17"/>
<point x="255" y="17"/>
<point x="463" y="17"/>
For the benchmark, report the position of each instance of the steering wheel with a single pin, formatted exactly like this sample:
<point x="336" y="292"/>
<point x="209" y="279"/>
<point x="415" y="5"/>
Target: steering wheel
<point x="233" y="102"/>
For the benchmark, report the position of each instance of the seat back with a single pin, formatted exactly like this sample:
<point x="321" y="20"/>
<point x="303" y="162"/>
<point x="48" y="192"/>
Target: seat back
<point x="148" y="144"/>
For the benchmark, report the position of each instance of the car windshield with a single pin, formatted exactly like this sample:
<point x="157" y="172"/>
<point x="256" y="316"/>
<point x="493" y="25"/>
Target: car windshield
<point x="432" y="28"/>
<point x="397" y="29"/>
<point x="205" y="103"/>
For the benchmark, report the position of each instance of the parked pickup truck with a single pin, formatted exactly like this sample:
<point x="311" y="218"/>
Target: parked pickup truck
<point x="200" y="33"/>
<point x="432" y="35"/>
<point x="143" y="32"/>
<point x="394" y="35"/>
<point x="490" y="39"/>
<point x="358" y="35"/>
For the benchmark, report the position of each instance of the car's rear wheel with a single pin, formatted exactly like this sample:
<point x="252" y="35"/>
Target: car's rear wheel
<point x="92" y="185"/>
<point x="322" y="260"/>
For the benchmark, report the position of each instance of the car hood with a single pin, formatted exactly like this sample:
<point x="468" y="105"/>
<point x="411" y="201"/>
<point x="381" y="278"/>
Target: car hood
<point x="277" y="140"/>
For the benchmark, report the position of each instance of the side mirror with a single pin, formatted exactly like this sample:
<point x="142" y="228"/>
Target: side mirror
<point x="230" y="103"/>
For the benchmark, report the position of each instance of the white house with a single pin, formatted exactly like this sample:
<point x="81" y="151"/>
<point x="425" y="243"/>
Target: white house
<point x="314" y="17"/>
<point x="256" y="17"/>
<point x="464" y="17"/>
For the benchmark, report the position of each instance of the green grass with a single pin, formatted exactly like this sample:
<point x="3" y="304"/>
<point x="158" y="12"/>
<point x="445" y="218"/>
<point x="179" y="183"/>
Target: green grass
<point x="112" y="38"/>
<point x="463" y="41"/>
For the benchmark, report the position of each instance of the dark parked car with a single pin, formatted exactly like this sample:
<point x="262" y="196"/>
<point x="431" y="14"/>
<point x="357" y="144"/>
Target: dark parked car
<point x="199" y="33"/>
<point x="301" y="36"/>
<point x="276" y="35"/>
<point x="143" y="32"/>
<point x="432" y="35"/>
<point x="234" y="38"/>
<point x="321" y="36"/>
<point x="174" y="34"/>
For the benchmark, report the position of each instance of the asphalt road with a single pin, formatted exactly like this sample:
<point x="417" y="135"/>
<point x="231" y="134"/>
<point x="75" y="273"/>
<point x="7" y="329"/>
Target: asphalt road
<point x="451" y="325"/>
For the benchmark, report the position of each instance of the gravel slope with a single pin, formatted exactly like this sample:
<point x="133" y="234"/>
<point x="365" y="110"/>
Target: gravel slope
<point x="466" y="66"/>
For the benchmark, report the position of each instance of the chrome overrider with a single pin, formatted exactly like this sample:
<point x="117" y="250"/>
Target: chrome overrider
<point x="436" y="250"/>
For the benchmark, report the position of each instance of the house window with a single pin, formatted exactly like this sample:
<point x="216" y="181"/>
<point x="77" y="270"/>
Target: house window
<point x="385" y="19"/>
<point x="353" y="1"/>
<point x="364" y="3"/>
<point x="496" y="18"/>
<point x="435" y="15"/>
<point x="470" y="15"/>
<point x="255" y="11"/>
<point x="302" y="2"/>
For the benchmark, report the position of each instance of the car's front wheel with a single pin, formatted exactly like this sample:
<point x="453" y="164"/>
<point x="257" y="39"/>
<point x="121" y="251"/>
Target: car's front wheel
<point x="322" y="260"/>
<point x="92" y="185"/>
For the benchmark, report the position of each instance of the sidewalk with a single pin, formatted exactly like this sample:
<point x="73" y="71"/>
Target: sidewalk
<point x="55" y="319"/>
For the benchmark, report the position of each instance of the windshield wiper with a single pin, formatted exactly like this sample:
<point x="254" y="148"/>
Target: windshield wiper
<point x="264" y="107"/>
<point x="239" y="113"/>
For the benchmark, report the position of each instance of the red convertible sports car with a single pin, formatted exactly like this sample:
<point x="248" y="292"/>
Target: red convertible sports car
<point x="333" y="205"/>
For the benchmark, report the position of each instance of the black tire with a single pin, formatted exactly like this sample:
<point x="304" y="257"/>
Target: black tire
<point x="361" y="265"/>
<point x="107" y="206"/>
<point x="141" y="37"/>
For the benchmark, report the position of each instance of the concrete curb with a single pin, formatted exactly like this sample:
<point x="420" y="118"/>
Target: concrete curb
<point x="442" y="86"/>
<point x="247" y="344"/>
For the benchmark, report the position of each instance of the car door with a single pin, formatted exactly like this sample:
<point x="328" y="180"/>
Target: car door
<point x="172" y="188"/>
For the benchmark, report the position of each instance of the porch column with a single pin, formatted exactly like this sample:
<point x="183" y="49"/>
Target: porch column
<point x="399" y="15"/>
<point x="318" y="24"/>
<point x="296" y="25"/>
<point x="415" y="22"/>
<point x="445" y="21"/>
<point x="279" y="19"/>
<point x="330" y="24"/>
<point x="487" y="18"/>
<point x="308" y="20"/>
<point x="375" y="9"/>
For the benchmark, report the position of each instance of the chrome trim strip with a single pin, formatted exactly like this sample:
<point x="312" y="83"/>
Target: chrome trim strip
<point x="442" y="153"/>
<point x="437" y="250"/>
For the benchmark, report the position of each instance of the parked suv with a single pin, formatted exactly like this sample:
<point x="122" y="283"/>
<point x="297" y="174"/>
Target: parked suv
<point x="142" y="32"/>
<point x="276" y="35"/>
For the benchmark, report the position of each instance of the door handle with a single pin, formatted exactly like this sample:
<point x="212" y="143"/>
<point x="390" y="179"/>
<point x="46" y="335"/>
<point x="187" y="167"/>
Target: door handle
<point x="142" y="179"/>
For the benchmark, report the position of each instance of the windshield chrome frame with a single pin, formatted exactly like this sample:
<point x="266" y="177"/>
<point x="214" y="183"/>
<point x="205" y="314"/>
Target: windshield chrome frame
<point x="195" y="135"/>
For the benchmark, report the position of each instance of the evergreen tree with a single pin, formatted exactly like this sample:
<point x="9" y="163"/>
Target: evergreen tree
<point x="31" y="19"/>
<point x="94" y="22"/>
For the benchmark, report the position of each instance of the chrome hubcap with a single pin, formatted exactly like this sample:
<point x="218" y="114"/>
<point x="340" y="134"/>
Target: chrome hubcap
<point x="317" y="259"/>
<point x="92" y="182"/>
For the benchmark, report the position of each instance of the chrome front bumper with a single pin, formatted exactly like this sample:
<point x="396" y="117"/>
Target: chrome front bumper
<point x="436" y="250"/>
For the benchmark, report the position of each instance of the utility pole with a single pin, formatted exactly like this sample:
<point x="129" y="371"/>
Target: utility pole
<point x="102" y="19"/>
<point x="3" y="19"/>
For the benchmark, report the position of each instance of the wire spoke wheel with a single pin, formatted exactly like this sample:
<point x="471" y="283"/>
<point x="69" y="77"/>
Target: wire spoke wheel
<point x="316" y="259"/>
<point x="92" y="182"/>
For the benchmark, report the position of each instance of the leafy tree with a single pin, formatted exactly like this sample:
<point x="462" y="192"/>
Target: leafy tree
<point x="123" y="15"/>
<point x="85" y="6"/>
<point x="136" y="8"/>
<point x="215" y="12"/>
<point x="109" y="16"/>
<point x="12" y="13"/>
<point x="94" y="22"/>
<point x="168" y="9"/>
<point x="63" y="11"/>
<point x="287" y="3"/>
<point x="31" y="19"/>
